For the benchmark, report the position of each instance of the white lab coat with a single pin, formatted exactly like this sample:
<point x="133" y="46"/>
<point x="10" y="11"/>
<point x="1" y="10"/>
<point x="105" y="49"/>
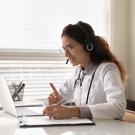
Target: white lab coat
<point x="106" y="98"/>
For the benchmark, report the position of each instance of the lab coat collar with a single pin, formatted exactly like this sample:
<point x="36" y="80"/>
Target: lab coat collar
<point x="88" y="70"/>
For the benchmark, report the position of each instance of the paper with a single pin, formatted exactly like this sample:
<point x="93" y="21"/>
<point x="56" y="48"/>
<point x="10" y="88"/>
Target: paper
<point x="27" y="111"/>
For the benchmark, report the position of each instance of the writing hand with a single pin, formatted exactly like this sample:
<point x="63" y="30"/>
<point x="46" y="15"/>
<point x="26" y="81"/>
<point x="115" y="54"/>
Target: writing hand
<point x="57" y="111"/>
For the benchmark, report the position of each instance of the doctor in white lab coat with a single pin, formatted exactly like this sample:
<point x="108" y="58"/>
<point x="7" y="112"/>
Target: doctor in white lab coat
<point x="97" y="86"/>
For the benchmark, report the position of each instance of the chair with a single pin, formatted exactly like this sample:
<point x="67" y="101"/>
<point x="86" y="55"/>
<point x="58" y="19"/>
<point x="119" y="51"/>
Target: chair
<point x="129" y="116"/>
<point x="130" y="105"/>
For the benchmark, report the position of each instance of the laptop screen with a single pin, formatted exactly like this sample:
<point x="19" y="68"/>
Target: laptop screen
<point x="5" y="98"/>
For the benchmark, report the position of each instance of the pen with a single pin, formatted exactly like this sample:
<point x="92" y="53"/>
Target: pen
<point x="61" y="102"/>
<point x="16" y="89"/>
<point x="21" y="88"/>
<point x="19" y="85"/>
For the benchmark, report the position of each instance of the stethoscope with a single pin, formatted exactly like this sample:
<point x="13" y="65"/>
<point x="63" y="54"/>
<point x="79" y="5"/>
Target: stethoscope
<point x="81" y="80"/>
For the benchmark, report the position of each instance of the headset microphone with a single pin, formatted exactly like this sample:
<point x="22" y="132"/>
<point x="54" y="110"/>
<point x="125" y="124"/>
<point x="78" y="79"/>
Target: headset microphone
<point x="67" y="61"/>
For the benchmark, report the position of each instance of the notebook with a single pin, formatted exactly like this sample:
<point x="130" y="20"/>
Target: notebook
<point x="34" y="120"/>
<point x="45" y="121"/>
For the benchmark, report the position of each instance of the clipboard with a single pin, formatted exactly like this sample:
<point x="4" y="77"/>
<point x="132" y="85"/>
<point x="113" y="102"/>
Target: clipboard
<point x="44" y="121"/>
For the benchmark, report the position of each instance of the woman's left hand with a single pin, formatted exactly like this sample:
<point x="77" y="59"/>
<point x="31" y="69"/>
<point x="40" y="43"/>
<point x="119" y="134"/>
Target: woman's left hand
<point x="61" y="112"/>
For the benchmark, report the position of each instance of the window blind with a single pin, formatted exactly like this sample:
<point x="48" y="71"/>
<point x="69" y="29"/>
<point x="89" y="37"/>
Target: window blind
<point x="30" y="38"/>
<point x="32" y="24"/>
<point x="37" y="74"/>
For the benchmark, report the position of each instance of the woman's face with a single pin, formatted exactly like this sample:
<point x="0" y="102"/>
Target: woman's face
<point x="75" y="52"/>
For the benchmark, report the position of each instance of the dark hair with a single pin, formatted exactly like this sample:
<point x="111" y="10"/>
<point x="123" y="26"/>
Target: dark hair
<point x="101" y="51"/>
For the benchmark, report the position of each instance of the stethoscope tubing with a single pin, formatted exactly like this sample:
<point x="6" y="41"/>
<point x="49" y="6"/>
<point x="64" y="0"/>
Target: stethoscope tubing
<point x="79" y="79"/>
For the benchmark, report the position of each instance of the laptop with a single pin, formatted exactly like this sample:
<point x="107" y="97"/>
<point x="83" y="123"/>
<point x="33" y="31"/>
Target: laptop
<point x="38" y="120"/>
<point x="8" y="104"/>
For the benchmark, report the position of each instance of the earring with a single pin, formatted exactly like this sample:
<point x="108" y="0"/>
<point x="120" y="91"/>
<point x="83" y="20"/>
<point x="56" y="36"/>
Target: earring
<point x="89" y="47"/>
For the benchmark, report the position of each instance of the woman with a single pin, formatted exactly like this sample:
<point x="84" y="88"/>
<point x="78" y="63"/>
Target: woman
<point x="97" y="84"/>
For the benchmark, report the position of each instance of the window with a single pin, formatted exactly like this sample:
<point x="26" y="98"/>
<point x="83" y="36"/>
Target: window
<point x="30" y="32"/>
<point x="37" y="24"/>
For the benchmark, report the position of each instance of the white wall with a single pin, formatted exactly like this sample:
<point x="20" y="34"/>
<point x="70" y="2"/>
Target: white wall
<point x="131" y="86"/>
<point x="123" y="39"/>
<point x="119" y="31"/>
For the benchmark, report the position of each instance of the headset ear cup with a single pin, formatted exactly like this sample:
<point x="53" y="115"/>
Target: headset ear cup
<point x="89" y="47"/>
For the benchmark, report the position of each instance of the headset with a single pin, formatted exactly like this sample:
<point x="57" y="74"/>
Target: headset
<point x="88" y="46"/>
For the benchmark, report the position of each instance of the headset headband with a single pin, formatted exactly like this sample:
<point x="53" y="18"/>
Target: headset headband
<point x="89" y="44"/>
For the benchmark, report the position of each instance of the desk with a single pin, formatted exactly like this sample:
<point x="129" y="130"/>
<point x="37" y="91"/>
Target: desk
<point x="27" y="102"/>
<point x="8" y="124"/>
<point x="102" y="127"/>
